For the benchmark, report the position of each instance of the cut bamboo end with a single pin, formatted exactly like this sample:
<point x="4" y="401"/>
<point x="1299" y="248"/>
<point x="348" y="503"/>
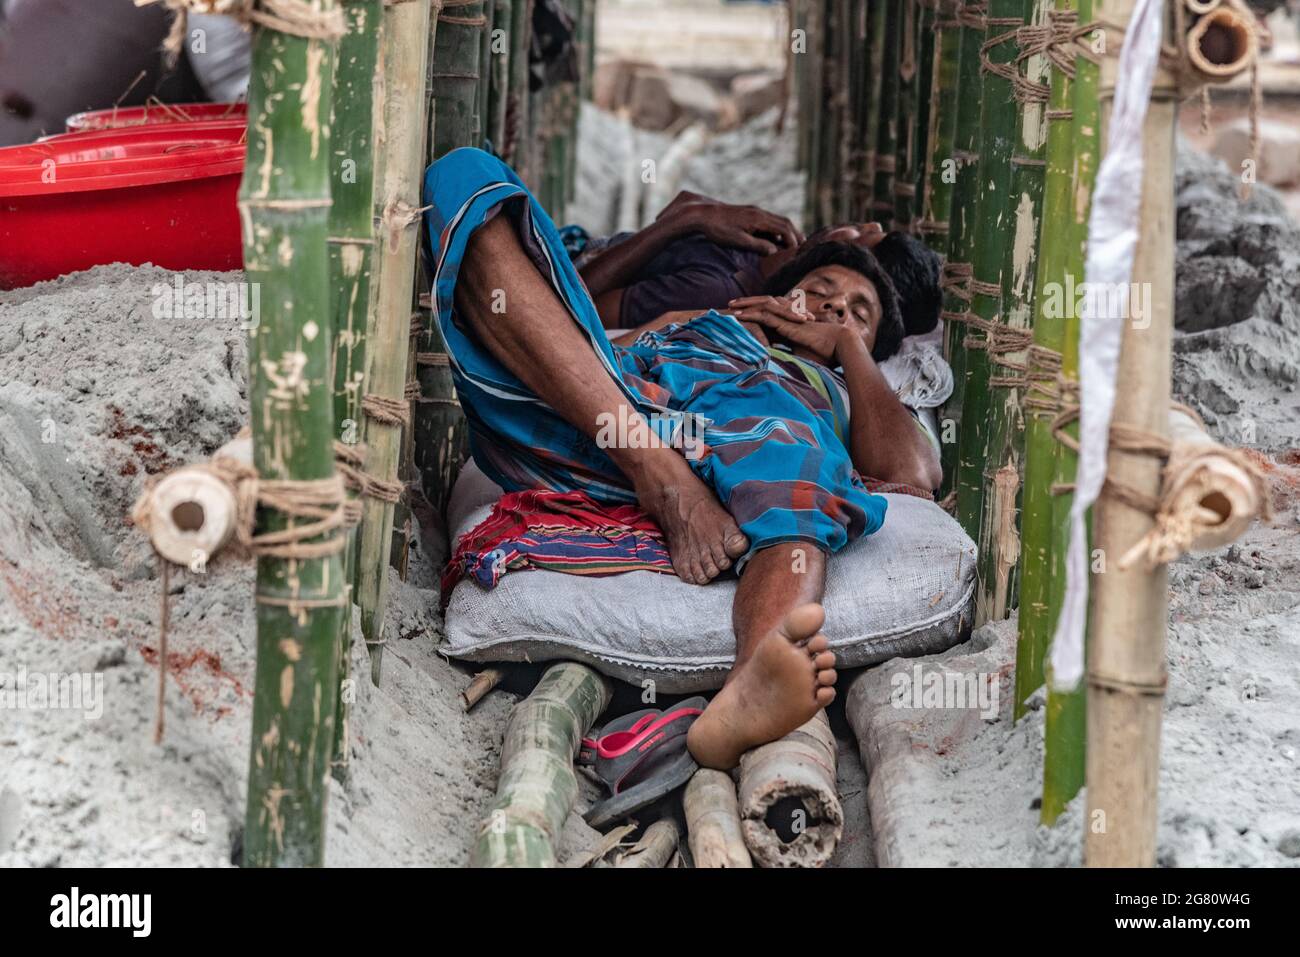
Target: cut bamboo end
<point x="1210" y="495"/>
<point x="478" y="688"/>
<point x="790" y="812"/>
<point x="190" y="514"/>
<point x="713" y="821"/>
<point x="656" y="847"/>
<point x="1222" y="44"/>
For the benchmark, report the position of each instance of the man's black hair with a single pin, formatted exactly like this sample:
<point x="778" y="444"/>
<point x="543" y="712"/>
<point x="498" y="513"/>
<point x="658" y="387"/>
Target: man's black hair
<point x="915" y="270"/>
<point x="889" y="337"/>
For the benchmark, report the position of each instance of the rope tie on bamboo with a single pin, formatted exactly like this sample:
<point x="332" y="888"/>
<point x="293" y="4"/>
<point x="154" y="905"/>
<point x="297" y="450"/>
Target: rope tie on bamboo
<point x="474" y="21"/>
<point x="386" y="411"/>
<point x="296" y="18"/>
<point x="907" y="61"/>
<point x="350" y="461"/>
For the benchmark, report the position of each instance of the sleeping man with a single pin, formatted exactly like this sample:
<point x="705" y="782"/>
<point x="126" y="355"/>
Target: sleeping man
<point x="735" y="432"/>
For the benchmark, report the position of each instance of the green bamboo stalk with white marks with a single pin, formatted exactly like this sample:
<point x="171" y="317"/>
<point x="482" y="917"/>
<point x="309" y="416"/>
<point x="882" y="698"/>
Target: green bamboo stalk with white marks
<point x="537" y="785"/>
<point x="887" y="131"/>
<point x="1066" y="712"/>
<point x="1004" y="468"/>
<point x="352" y="263"/>
<point x="994" y="224"/>
<point x="400" y="140"/>
<point x="961" y="232"/>
<point x="284" y="204"/>
<point x="940" y="167"/>
<point x="1039" y="552"/>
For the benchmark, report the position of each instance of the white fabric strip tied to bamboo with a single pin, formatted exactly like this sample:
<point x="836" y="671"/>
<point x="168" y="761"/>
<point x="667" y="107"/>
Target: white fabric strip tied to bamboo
<point x="790" y="810"/>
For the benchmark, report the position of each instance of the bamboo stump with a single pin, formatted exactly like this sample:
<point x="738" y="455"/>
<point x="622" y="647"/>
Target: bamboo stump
<point x="538" y="786"/>
<point x="713" y="821"/>
<point x="790" y="811"/>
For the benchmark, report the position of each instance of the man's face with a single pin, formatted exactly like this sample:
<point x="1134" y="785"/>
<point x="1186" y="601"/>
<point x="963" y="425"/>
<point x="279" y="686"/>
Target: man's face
<point x="843" y="296"/>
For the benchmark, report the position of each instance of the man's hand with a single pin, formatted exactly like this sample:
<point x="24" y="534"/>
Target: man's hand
<point x="744" y="227"/>
<point x="784" y="317"/>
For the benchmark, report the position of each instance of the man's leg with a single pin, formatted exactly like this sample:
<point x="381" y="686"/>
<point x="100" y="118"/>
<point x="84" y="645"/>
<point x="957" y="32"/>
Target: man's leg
<point x="783" y="672"/>
<point x="537" y="340"/>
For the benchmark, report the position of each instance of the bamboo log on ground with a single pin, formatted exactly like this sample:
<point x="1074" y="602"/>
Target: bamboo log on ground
<point x="790" y="811"/>
<point x="357" y="90"/>
<point x="994" y="226"/>
<point x="400" y="142"/>
<point x="656" y="847"/>
<point x="1065" y="713"/>
<point x="284" y="207"/>
<point x="537" y="785"/>
<point x="887" y="131"/>
<point x="939" y="174"/>
<point x="999" y="554"/>
<point x="713" y="821"/>
<point x="961" y="231"/>
<point x="1126" y="669"/>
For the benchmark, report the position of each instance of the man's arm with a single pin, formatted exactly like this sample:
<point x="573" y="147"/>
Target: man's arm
<point x="744" y="227"/>
<point x="884" y="441"/>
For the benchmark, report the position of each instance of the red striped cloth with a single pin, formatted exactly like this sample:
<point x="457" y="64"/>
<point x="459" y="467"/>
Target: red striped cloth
<point x="571" y="532"/>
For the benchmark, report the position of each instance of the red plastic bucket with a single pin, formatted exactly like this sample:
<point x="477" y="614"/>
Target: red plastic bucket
<point x="152" y="113"/>
<point x="164" y="195"/>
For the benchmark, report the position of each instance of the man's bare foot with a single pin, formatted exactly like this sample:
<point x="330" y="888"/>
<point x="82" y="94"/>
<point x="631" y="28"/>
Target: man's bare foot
<point x="703" y="539"/>
<point x="785" y="681"/>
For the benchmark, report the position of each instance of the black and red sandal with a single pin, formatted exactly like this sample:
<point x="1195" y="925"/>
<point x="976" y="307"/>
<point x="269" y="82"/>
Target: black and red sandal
<point x="641" y="757"/>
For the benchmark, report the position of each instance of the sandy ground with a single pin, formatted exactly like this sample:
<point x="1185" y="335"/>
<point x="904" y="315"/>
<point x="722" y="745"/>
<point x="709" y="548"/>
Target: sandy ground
<point x="97" y="393"/>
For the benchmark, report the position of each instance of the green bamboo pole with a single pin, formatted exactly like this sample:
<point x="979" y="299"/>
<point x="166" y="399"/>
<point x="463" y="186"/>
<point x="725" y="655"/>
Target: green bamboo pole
<point x="887" y="132"/>
<point x="940" y="167"/>
<point x="815" y="82"/>
<point x="499" y="76"/>
<point x="440" y="430"/>
<point x="905" y="149"/>
<point x="515" y="150"/>
<point x="1126" y="668"/>
<point x="1064" y="760"/>
<point x="994" y="221"/>
<point x="797" y="43"/>
<point x="352" y="262"/>
<point x="961" y="231"/>
<point x="404" y="48"/>
<point x="537" y="786"/>
<point x="1004" y="470"/>
<point x="828" y="116"/>
<point x="865" y="117"/>
<point x="483" y="99"/>
<point x="284" y="202"/>
<point x="925" y="67"/>
<point x="1037" y="612"/>
<point x="847" y="133"/>
<point x="457" y="48"/>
